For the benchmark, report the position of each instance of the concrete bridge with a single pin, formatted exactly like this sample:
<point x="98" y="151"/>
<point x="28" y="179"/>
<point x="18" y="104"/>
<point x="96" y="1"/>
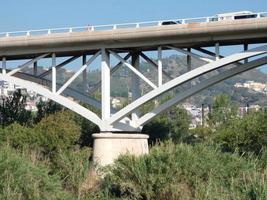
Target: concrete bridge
<point x="120" y="129"/>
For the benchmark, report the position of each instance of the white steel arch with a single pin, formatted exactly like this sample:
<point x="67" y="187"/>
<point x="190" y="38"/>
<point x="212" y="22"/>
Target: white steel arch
<point x="68" y="91"/>
<point x="184" y="78"/>
<point x="55" y="97"/>
<point x="203" y="85"/>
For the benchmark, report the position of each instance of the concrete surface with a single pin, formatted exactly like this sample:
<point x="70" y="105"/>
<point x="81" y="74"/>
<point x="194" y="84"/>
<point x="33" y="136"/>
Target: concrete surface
<point x="145" y="38"/>
<point x="108" y="146"/>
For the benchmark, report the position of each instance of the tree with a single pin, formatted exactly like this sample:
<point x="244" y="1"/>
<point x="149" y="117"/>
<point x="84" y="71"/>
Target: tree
<point x="46" y="108"/>
<point x="158" y="129"/>
<point x="13" y="110"/>
<point x="172" y="124"/>
<point x="58" y="132"/>
<point x="247" y="134"/>
<point x="87" y="127"/>
<point x="179" y="124"/>
<point x="223" y="111"/>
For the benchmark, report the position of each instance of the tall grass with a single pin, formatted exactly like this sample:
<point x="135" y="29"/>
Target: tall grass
<point x="187" y="172"/>
<point x="22" y="178"/>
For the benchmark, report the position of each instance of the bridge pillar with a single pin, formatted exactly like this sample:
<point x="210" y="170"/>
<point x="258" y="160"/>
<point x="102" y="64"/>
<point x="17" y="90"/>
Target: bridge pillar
<point x="84" y="74"/>
<point x="245" y="49"/>
<point x="189" y="60"/>
<point x="4" y="65"/>
<point x="105" y="84"/>
<point x="108" y="146"/>
<point x="54" y="75"/>
<point x="217" y="51"/>
<point x="135" y="82"/>
<point x="35" y="68"/>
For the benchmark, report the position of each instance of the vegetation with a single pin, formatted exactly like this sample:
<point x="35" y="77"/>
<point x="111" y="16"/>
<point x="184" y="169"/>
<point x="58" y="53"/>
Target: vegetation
<point x="23" y="177"/>
<point x="47" y="156"/>
<point x="13" y="110"/>
<point x="248" y="134"/>
<point x="187" y="172"/>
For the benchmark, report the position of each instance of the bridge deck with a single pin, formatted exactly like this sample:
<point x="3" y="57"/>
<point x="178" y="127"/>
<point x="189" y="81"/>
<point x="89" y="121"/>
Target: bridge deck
<point x="146" y="38"/>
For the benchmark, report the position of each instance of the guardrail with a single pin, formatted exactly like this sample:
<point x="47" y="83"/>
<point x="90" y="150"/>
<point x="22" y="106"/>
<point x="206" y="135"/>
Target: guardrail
<point x="116" y="26"/>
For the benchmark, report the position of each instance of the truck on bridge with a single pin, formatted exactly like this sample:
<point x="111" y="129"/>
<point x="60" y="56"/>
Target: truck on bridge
<point x="236" y="16"/>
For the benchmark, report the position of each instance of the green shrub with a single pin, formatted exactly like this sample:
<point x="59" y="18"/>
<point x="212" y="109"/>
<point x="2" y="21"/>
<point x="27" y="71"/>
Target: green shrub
<point x="73" y="167"/>
<point x="186" y="172"/>
<point x="52" y="134"/>
<point x="57" y="132"/>
<point x="173" y="124"/>
<point x="22" y="179"/>
<point x="20" y="136"/>
<point x="248" y="134"/>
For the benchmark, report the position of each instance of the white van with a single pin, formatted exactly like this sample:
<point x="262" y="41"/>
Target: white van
<point x="235" y="16"/>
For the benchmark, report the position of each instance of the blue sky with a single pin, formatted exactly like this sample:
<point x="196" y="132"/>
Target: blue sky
<point x="35" y="14"/>
<point x="18" y="15"/>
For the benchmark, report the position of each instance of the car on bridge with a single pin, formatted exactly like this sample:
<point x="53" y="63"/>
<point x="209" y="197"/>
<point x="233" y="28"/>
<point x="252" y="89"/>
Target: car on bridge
<point x="170" y="22"/>
<point x="236" y="16"/>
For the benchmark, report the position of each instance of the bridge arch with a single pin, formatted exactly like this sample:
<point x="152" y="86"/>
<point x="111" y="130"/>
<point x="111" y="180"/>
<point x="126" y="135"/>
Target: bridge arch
<point x="185" y="78"/>
<point x="64" y="101"/>
<point x="198" y="88"/>
<point x="119" y="121"/>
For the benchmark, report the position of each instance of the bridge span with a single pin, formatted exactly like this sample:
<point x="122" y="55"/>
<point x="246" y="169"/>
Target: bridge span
<point x="192" y="35"/>
<point x="190" y="39"/>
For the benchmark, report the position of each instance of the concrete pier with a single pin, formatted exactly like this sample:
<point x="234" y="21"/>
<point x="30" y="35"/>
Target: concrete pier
<point x="108" y="146"/>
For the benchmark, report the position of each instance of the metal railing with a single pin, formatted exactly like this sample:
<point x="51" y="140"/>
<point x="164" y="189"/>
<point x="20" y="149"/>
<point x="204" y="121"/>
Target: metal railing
<point x="116" y="26"/>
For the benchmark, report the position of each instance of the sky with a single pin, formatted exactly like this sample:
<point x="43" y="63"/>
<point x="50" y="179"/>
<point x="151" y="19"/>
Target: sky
<point x="37" y="14"/>
<point x="17" y="15"/>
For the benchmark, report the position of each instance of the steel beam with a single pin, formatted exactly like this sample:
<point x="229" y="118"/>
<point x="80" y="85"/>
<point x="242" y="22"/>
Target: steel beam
<point x="208" y="52"/>
<point x="27" y="64"/>
<point x="105" y="84"/>
<point x="217" y="51"/>
<point x="155" y="65"/>
<point x="189" y="60"/>
<point x="207" y="60"/>
<point x="213" y="54"/>
<point x="97" y="85"/>
<point x="78" y="73"/>
<point x="54" y="75"/>
<point x="245" y="49"/>
<point x="4" y="65"/>
<point x="84" y="74"/>
<point x="203" y="85"/>
<point x="59" y="66"/>
<point x="135" y="83"/>
<point x="35" y="68"/>
<point x="186" y="77"/>
<point x="133" y="69"/>
<point x="159" y="66"/>
<point x="64" y="101"/>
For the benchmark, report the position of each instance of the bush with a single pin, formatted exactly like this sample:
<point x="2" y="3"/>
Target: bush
<point x="22" y="179"/>
<point x="186" y="172"/>
<point x="13" y="110"/>
<point x="19" y="136"/>
<point x="45" y="109"/>
<point x="73" y="168"/>
<point x="57" y="132"/>
<point x="248" y="134"/>
<point x="52" y="134"/>
<point x="173" y="124"/>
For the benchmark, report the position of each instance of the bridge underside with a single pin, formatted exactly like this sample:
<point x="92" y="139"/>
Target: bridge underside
<point x="143" y="86"/>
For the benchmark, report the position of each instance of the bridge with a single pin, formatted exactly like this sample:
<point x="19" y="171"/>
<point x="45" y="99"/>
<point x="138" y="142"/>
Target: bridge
<point x="120" y="129"/>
